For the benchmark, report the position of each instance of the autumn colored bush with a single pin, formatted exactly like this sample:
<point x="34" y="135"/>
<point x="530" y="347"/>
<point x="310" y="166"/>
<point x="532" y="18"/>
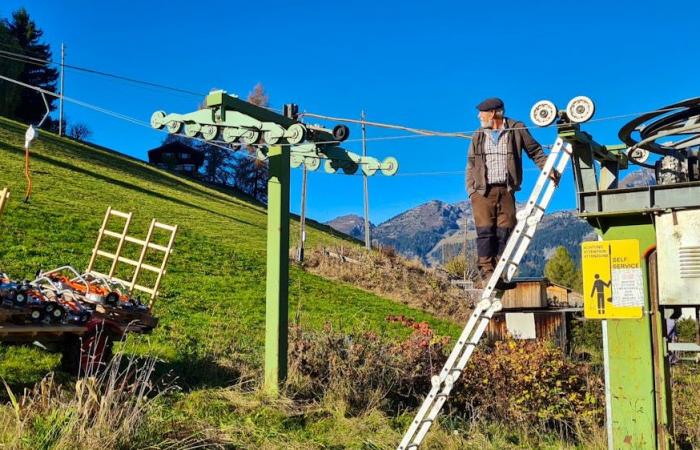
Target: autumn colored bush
<point x="528" y="383"/>
<point x="361" y="369"/>
<point x="533" y="384"/>
<point x="686" y="407"/>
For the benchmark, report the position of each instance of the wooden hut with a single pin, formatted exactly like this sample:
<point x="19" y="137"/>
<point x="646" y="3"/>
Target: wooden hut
<point x="177" y="157"/>
<point x="537" y="309"/>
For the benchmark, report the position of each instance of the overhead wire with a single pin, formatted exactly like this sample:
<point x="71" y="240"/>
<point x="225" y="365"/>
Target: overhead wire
<point x="416" y="132"/>
<point x="147" y="125"/>
<point x="40" y="62"/>
<point x="218" y="143"/>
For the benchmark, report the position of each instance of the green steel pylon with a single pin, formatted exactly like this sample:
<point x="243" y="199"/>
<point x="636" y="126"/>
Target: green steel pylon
<point x="284" y="142"/>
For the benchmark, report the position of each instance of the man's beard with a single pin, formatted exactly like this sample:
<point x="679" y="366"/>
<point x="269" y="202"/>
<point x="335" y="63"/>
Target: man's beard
<point x="486" y="123"/>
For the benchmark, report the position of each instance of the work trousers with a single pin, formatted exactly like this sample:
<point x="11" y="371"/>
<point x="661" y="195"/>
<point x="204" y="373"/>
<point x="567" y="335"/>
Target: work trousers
<point x="494" y="217"/>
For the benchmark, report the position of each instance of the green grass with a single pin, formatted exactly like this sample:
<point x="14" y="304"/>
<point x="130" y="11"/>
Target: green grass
<point x="216" y="275"/>
<point x="211" y="306"/>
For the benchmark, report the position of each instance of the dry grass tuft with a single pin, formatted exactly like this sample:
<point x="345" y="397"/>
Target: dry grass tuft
<point x="387" y="274"/>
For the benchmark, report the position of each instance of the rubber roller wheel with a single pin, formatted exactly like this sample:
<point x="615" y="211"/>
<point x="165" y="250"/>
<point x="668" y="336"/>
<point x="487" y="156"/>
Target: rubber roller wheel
<point x="157" y="120"/>
<point x="112" y="299"/>
<point x="369" y="169"/>
<point x="390" y="166"/>
<point x="295" y="160"/>
<point x="543" y="113"/>
<point x="230" y="135"/>
<point x="21" y="298"/>
<point x="580" y="109"/>
<point x="296" y="133"/>
<point x="341" y="132"/>
<point x="191" y="129"/>
<point x="174" y="126"/>
<point x="272" y="137"/>
<point x="350" y="168"/>
<point x="209" y="132"/>
<point x="36" y="315"/>
<point x="312" y="163"/>
<point x="250" y="137"/>
<point x="57" y="314"/>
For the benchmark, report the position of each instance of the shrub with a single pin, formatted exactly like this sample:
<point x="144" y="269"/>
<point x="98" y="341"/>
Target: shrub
<point x="687" y="330"/>
<point x="529" y="383"/>
<point x="686" y="405"/>
<point x="361" y="369"/>
<point x="587" y="339"/>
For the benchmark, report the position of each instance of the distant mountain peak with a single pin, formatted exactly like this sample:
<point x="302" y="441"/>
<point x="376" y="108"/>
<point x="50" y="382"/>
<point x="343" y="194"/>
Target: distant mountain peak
<point x="350" y="224"/>
<point x="434" y="232"/>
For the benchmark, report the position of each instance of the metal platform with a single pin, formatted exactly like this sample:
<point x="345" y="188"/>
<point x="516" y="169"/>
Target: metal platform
<point x="649" y="199"/>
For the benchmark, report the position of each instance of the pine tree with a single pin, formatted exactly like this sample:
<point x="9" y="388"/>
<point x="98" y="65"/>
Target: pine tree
<point x="561" y="269"/>
<point x="31" y="108"/>
<point x="9" y="93"/>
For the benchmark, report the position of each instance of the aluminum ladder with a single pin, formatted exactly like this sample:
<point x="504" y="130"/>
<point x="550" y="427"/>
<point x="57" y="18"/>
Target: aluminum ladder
<point x="528" y="219"/>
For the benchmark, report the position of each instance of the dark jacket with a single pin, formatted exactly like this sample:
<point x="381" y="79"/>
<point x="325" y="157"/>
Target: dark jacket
<point x="520" y="138"/>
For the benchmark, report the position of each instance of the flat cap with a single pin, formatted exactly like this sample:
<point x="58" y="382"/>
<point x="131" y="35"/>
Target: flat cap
<point x="490" y="104"/>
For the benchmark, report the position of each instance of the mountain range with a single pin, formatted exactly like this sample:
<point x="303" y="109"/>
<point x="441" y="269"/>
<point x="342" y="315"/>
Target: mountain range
<point x="435" y="232"/>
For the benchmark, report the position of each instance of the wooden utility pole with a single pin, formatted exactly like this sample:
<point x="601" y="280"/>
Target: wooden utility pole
<point x="368" y="237"/>
<point x="60" y="102"/>
<point x="466" y="258"/>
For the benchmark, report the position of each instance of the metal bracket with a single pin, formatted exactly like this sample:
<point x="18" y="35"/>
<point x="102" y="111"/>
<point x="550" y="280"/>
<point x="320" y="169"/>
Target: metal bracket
<point x="233" y="120"/>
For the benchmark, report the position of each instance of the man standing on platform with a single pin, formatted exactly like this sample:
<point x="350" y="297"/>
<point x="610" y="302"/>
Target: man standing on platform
<point x="494" y="174"/>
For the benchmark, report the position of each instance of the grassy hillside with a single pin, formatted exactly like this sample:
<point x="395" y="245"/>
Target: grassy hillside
<point x="215" y="286"/>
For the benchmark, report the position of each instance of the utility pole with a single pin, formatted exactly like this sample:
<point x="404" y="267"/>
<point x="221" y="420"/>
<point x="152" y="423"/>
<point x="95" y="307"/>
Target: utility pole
<point x="466" y="258"/>
<point x="368" y="237"/>
<point x="60" y="102"/>
<point x="300" y="253"/>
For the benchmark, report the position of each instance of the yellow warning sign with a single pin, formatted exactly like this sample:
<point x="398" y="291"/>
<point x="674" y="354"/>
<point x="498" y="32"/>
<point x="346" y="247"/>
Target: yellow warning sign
<point x="613" y="282"/>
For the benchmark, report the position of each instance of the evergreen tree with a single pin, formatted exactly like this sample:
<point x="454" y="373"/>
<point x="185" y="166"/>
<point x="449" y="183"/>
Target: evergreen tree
<point x="561" y="269"/>
<point x="23" y="30"/>
<point x="9" y="92"/>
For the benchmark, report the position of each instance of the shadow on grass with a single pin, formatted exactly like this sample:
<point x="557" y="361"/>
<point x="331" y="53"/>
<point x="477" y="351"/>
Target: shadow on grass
<point x="191" y="373"/>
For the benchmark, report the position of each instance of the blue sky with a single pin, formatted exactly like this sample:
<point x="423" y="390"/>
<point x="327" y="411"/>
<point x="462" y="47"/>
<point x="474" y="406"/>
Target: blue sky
<point x="422" y="64"/>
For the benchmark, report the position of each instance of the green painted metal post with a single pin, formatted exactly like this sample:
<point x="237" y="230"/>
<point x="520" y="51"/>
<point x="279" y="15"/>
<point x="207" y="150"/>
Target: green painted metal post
<point x="636" y="422"/>
<point x="276" y="310"/>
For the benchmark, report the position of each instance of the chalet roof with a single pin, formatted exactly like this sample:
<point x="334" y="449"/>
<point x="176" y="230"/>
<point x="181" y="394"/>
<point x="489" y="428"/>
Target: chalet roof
<point x="541" y="280"/>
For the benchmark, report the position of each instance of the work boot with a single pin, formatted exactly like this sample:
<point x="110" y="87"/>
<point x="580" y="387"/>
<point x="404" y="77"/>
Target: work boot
<point x="501" y="284"/>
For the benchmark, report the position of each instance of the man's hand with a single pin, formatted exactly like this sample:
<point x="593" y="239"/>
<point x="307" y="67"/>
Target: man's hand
<point x="555" y="176"/>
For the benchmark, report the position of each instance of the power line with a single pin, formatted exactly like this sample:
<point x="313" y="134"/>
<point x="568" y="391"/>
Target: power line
<point x="16" y="48"/>
<point x="147" y="125"/>
<point x="416" y="132"/>
<point x="38" y="61"/>
<point x="389" y="126"/>
<point x="41" y="62"/>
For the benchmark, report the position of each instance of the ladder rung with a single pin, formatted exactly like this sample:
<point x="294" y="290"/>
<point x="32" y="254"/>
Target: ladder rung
<point x="124" y="215"/>
<point x="134" y="240"/>
<point x="164" y="226"/>
<point x="113" y="234"/>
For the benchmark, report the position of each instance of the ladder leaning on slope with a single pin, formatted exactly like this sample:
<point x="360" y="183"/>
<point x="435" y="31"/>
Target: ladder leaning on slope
<point x="528" y="219"/>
